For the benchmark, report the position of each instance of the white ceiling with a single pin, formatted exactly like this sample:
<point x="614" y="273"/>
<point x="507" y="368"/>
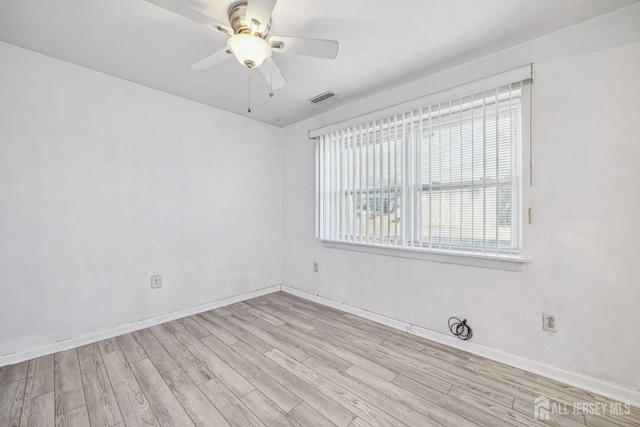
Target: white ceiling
<point x="382" y="43"/>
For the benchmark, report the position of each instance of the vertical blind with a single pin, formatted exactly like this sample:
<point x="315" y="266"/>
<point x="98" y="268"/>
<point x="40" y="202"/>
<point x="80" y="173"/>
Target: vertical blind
<point x="443" y="177"/>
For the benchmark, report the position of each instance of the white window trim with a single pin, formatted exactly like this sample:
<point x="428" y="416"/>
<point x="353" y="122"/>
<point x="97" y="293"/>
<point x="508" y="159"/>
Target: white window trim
<point x="501" y="79"/>
<point x="514" y="263"/>
<point x="462" y="258"/>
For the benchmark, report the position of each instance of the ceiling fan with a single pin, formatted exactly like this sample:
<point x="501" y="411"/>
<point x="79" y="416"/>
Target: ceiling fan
<point x="248" y="29"/>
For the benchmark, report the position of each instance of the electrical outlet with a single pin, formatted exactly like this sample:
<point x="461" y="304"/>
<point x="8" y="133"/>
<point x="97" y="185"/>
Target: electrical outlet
<point x="315" y="267"/>
<point x="156" y="282"/>
<point x="550" y="322"/>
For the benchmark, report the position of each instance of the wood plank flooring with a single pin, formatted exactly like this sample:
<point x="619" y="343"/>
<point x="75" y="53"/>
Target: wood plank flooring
<point x="279" y="360"/>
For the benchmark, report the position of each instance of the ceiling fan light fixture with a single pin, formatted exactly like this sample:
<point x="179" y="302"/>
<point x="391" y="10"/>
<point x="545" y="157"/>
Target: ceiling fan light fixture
<point x="250" y="50"/>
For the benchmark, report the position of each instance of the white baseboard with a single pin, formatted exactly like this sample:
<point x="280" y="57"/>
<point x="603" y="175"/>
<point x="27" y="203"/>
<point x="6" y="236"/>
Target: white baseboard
<point x="70" y="343"/>
<point x="605" y="389"/>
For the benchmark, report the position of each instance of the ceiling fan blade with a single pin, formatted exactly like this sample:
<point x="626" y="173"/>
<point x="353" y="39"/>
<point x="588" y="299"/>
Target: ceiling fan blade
<point x="193" y="15"/>
<point x="211" y="60"/>
<point x="259" y="11"/>
<point x="309" y="47"/>
<point x="272" y="74"/>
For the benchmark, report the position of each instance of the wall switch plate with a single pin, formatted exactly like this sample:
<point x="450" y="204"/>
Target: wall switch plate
<point x="550" y="322"/>
<point x="315" y="267"/>
<point x="156" y="282"/>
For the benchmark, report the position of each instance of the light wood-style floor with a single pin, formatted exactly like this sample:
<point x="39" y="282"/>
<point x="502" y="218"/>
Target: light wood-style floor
<point x="278" y="360"/>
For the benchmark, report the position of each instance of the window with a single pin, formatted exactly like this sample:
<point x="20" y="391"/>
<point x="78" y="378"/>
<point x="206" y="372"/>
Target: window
<point x="444" y="178"/>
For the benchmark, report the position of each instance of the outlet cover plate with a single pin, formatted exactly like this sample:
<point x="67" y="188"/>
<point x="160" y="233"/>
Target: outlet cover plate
<point x="156" y="282"/>
<point x="550" y="322"/>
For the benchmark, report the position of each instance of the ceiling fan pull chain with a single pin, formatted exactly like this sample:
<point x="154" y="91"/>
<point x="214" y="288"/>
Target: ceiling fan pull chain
<point x="271" y="79"/>
<point x="249" y="108"/>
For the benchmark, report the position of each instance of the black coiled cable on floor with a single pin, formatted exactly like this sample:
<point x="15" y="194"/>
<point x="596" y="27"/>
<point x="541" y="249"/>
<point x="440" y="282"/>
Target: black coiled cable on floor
<point x="460" y="328"/>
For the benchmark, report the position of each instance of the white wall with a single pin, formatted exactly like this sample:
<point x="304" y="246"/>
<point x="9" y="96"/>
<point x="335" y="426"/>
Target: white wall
<point x="583" y="243"/>
<point x="104" y="183"/>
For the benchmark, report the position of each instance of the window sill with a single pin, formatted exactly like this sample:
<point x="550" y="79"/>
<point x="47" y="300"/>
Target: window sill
<point x="470" y="260"/>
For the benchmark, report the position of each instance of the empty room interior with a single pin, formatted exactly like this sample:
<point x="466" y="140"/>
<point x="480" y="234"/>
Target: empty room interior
<point x="319" y="213"/>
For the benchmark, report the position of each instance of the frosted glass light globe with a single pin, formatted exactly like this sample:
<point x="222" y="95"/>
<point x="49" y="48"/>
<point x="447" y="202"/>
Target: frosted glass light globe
<point x="251" y="51"/>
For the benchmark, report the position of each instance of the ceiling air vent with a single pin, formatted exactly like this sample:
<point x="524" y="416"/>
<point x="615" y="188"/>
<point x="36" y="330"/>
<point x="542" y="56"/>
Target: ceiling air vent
<point x="323" y="97"/>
